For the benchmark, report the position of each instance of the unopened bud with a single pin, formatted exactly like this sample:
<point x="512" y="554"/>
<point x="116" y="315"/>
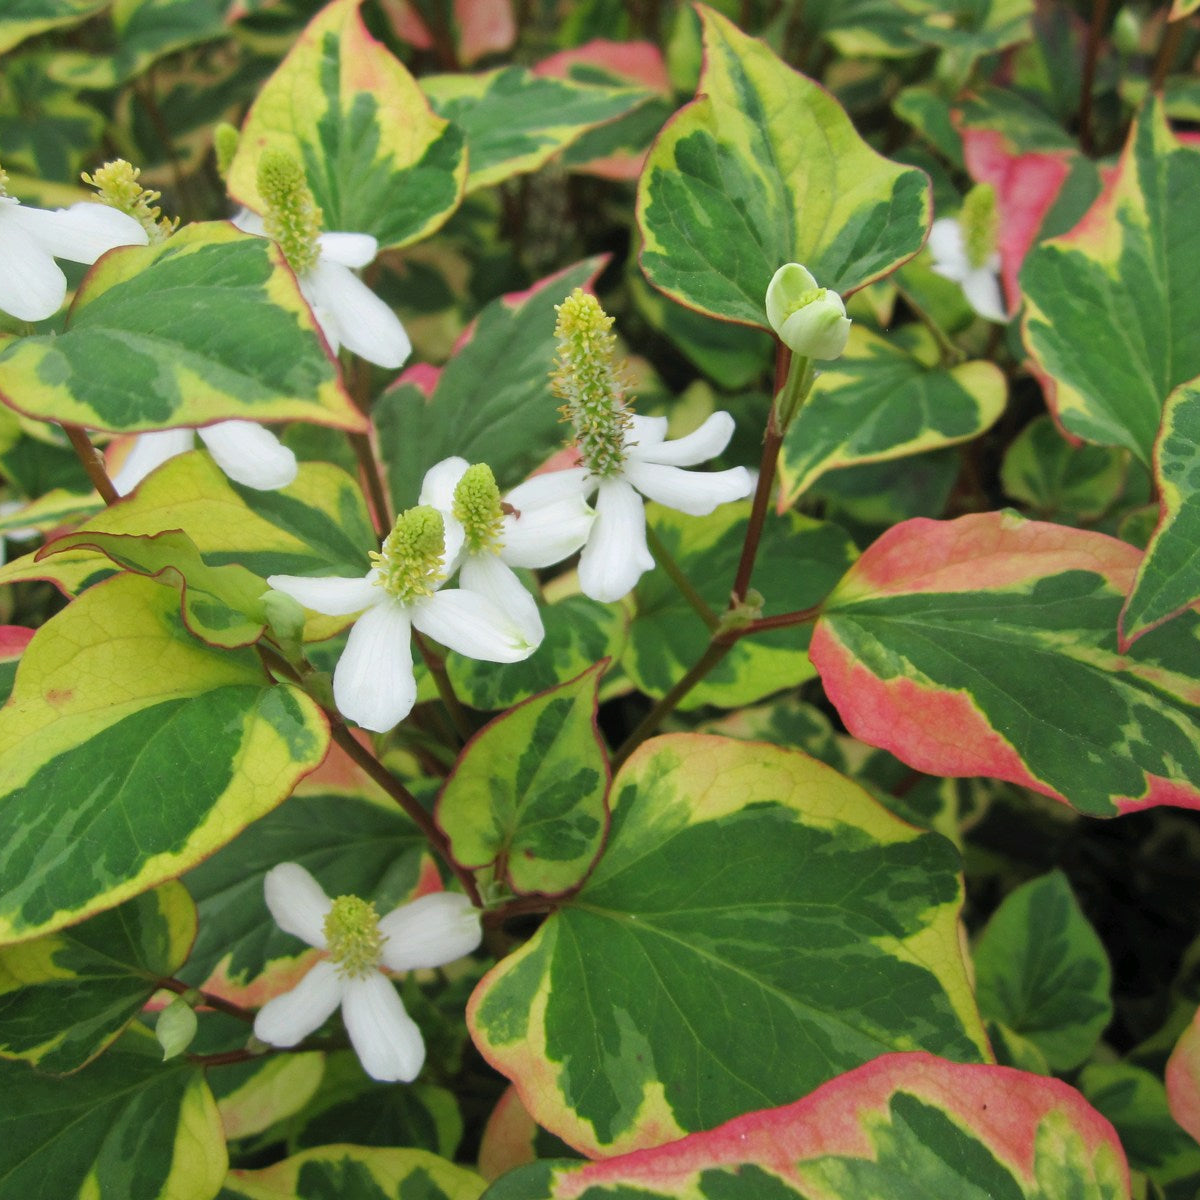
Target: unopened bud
<point x="810" y="320"/>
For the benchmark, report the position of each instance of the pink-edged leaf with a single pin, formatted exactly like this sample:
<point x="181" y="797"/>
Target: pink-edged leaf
<point x="480" y="26"/>
<point x="1026" y="187"/>
<point x="1183" y="1079"/>
<point x="902" y="1125"/>
<point x="988" y="646"/>
<point x="491" y="402"/>
<point x="13" y="640"/>
<point x="1169" y="578"/>
<point x="634" y="62"/>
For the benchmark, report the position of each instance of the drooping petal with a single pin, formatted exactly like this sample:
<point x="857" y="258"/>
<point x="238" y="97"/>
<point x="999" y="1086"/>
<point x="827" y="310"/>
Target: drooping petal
<point x="32" y="287"/>
<point x="698" y="446"/>
<point x="472" y="625"/>
<point x="351" y="315"/>
<point x="693" y="492"/>
<point x="335" y="596"/>
<point x="250" y="454"/>
<point x="437" y="488"/>
<point x="616" y="554"/>
<point x="488" y="575"/>
<point x="550" y="521"/>
<point x="149" y="451"/>
<point x="348" y="249"/>
<point x="290" y="1018"/>
<point x="373" y="683"/>
<point x="982" y="290"/>
<point x="297" y="902"/>
<point x="430" y="932"/>
<point x="948" y="248"/>
<point x="89" y="229"/>
<point x="385" y="1038"/>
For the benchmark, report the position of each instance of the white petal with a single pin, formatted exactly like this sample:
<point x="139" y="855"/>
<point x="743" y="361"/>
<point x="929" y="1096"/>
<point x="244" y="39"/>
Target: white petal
<point x="250" y="454"/>
<point x="552" y="486"/>
<point x="693" y="492"/>
<point x="547" y="530"/>
<point x="32" y="287"/>
<point x="646" y="432"/>
<point x="486" y="575"/>
<point x="430" y="932"/>
<point x="89" y="229"/>
<point x="699" y="446"/>
<point x="472" y="625"/>
<point x="616" y="555"/>
<point x="297" y="902"/>
<point x="348" y="249"/>
<point x="437" y="488"/>
<point x="249" y="222"/>
<point x="982" y="290"/>
<point x="335" y="596"/>
<point x="290" y="1018"/>
<point x="373" y="683"/>
<point x="149" y="451"/>
<point x="385" y="1038"/>
<point x="948" y="248"/>
<point x="351" y="315"/>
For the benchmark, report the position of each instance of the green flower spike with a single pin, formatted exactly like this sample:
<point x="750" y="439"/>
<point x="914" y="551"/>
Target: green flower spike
<point x="411" y="563"/>
<point x="588" y="382"/>
<point x="293" y="218"/>
<point x="118" y="184"/>
<point x="477" y="509"/>
<point x="353" y="936"/>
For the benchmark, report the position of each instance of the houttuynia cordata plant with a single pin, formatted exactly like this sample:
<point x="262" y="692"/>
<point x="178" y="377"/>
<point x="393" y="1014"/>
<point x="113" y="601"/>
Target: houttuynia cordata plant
<point x="601" y="600"/>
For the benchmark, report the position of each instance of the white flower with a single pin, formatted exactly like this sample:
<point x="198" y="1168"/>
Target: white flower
<point x="246" y="452"/>
<point x="373" y="683"/>
<point x="810" y="320"/>
<point x="616" y="554"/>
<point x="32" y="285"/>
<point x="347" y="311"/>
<point x="429" y="932"/>
<point x="547" y="520"/>
<point x="980" y="284"/>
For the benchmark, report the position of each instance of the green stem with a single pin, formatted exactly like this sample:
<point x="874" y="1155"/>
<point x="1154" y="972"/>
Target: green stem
<point x="1167" y="49"/>
<point x="666" y="560"/>
<point x="1088" y="82"/>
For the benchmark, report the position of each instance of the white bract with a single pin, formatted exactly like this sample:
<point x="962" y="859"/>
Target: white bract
<point x="616" y="554"/>
<point x="246" y="452"/>
<point x="373" y="683"/>
<point x="347" y="311"/>
<point x="964" y="250"/>
<point x="32" y="285"/>
<point x="547" y="520"/>
<point x="429" y="932"/>
<point x="810" y="320"/>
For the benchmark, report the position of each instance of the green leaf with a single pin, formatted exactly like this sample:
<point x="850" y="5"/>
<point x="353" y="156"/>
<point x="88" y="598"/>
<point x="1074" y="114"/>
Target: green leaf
<point x="1168" y="579"/>
<point x="1056" y="479"/>
<point x="528" y="792"/>
<point x="905" y="1125"/>
<point x="799" y="562"/>
<point x="148" y="30"/>
<point x="377" y="159"/>
<point x="516" y="121"/>
<point x="25" y="18"/>
<point x="66" y="997"/>
<point x="884" y="399"/>
<point x="762" y="169"/>
<point x="124" y="760"/>
<point x="492" y="400"/>
<point x="353" y="844"/>
<point x="13" y="640"/>
<point x="1135" y="1101"/>
<point x="1112" y="306"/>
<point x="1043" y="972"/>
<point x="253" y="1096"/>
<point x="742" y="889"/>
<point x="221" y="605"/>
<point x="579" y="632"/>
<point x="988" y="646"/>
<point x="357" y="1173"/>
<point x="208" y="326"/>
<point x="127" y="1125"/>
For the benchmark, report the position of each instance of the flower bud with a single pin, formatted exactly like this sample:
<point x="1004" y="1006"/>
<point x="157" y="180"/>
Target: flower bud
<point x="810" y="320"/>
